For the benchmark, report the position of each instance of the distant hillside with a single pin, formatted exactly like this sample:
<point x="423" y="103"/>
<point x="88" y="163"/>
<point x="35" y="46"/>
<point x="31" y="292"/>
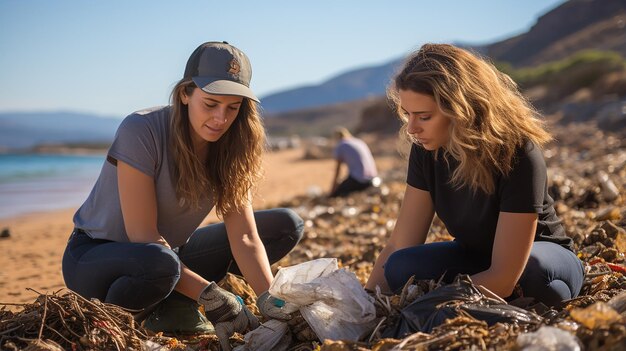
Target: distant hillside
<point x="20" y="130"/>
<point x="317" y="121"/>
<point x="573" y="26"/>
<point x="549" y="46"/>
<point x="352" y="85"/>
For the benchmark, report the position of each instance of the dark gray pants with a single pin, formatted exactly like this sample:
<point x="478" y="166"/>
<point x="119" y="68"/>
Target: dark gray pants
<point x="138" y="275"/>
<point x="350" y="185"/>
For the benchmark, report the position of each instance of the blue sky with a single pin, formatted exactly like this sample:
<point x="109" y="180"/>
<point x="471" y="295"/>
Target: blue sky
<point x="117" y="56"/>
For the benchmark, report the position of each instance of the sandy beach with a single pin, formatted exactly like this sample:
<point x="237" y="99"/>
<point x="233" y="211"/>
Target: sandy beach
<point x="32" y="253"/>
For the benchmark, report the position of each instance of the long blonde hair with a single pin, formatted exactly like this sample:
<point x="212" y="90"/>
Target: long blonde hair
<point x="489" y="116"/>
<point x="233" y="164"/>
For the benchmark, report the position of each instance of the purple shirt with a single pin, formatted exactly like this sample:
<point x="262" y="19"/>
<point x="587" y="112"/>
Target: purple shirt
<point x="355" y="153"/>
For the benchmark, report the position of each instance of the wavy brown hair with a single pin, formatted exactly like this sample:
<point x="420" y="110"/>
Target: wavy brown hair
<point x="233" y="164"/>
<point x="489" y="116"/>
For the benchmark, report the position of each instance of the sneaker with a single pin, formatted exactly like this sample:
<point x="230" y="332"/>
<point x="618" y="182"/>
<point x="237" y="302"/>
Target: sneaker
<point x="178" y="317"/>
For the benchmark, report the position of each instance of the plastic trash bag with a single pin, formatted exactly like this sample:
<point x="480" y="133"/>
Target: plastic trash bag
<point x="331" y="300"/>
<point x="153" y="346"/>
<point x="548" y="338"/>
<point x="452" y="300"/>
<point x="272" y="335"/>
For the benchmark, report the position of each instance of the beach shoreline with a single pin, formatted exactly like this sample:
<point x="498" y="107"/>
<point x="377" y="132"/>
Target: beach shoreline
<point x="33" y="251"/>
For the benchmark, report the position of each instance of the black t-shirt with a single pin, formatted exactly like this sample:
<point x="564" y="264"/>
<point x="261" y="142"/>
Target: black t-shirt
<point x="471" y="216"/>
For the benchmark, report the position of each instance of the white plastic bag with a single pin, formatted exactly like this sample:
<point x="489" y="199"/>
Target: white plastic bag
<point x="267" y="337"/>
<point x="548" y="338"/>
<point x="331" y="300"/>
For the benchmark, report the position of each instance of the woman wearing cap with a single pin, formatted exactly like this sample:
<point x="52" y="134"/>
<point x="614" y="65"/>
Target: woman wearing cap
<point x="476" y="162"/>
<point x="136" y="242"/>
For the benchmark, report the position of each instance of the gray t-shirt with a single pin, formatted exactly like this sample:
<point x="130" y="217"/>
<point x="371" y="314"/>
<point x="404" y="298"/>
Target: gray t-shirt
<point x="355" y="153"/>
<point x="142" y="142"/>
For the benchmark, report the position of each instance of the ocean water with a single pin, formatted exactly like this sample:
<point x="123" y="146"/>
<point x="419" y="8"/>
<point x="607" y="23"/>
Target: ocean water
<point x="39" y="182"/>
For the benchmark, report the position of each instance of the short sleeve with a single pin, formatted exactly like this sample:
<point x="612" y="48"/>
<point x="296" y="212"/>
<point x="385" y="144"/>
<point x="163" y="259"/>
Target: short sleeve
<point x="416" y="173"/>
<point x="135" y="144"/>
<point x="336" y="152"/>
<point x="524" y="189"/>
<point x="339" y="151"/>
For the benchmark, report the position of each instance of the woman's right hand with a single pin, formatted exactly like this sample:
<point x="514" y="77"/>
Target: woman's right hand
<point x="272" y="307"/>
<point x="227" y="312"/>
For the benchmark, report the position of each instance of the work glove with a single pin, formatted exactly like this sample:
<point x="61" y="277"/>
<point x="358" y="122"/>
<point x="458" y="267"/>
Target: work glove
<point x="271" y="307"/>
<point x="227" y="313"/>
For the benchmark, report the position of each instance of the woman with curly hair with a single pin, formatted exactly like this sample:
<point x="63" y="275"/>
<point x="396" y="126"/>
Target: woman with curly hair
<point x="476" y="162"/>
<point x="136" y="241"/>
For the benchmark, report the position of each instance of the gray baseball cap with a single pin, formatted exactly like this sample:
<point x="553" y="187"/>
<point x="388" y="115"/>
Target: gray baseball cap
<point x="220" y="68"/>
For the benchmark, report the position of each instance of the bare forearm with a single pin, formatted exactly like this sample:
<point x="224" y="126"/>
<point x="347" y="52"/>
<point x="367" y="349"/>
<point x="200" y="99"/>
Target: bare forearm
<point x="148" y="238"/>
<point x="377" y="277"/>
<point x="410" y="230"/>
<point x="251" y="258"/>
<point x="190" y="283"/>
<point x="515" y="233"/>
<point x="499" y="284"/>
<point x="335" y="177"/>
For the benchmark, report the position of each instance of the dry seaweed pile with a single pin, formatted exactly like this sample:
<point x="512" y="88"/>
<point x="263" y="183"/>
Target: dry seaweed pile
<point x="69" y="321"/>
<point x="66" y="321"/>
<point x="587" y="172"/>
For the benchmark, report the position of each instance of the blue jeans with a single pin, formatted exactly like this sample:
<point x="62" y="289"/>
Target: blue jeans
<point x="138" y="275"/>
<point x="552" y="273"/>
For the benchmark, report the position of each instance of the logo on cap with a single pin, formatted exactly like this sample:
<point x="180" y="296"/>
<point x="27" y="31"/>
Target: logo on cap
<point x="234" y="67"/>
